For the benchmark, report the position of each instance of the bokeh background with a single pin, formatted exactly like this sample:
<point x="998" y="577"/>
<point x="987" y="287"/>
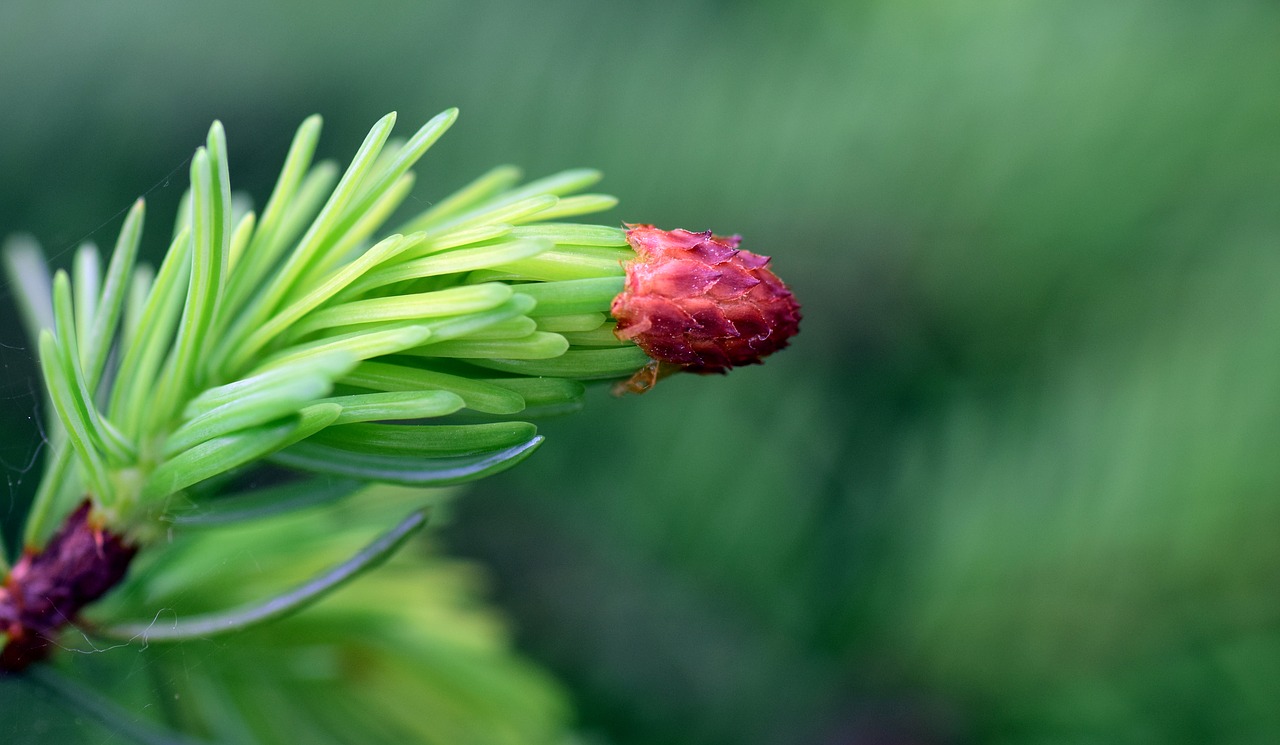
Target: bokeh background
<point x="1016" y="481"/>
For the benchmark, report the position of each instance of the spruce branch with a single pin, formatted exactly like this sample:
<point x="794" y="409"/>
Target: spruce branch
<point x="310" y="338"/>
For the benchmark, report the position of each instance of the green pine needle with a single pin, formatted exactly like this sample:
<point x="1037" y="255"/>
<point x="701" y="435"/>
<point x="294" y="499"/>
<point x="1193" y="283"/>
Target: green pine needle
<point x="408" y="470"/>
<point x="237" y="619"/>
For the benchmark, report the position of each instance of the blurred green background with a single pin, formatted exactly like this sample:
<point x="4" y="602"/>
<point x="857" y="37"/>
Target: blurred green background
<point x="1016" y="481"/>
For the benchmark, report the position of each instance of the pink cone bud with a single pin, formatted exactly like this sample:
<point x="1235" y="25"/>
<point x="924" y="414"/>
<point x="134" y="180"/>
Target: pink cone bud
<point x="696" y="302"/>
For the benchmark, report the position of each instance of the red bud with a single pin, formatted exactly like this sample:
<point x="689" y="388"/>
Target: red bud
<point x="697" y="302"/>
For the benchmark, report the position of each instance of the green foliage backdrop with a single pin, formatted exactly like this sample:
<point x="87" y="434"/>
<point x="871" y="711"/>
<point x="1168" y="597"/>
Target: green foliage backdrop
<point x="1014" y="481"/>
